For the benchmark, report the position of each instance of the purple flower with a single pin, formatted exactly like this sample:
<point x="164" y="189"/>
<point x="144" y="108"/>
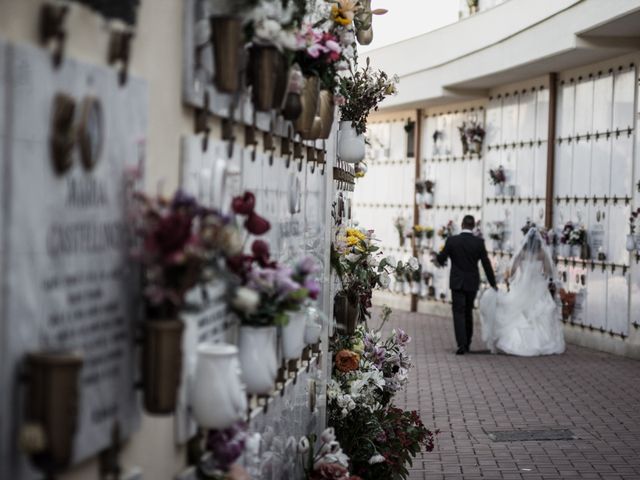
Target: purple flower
<point x="262" y="279"/>
<point x="283" y="281"/>
<point x="402" y="337"/>
<point x="306" y="266"/>
<point x="313" y="286"/>
<point x="377" y="356"/>
<point x="227" y="445"/>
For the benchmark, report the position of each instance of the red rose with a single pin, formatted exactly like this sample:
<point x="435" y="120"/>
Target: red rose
<point x="260" y="250"/>
<point x="170" y="235"/>
<point x="256" y="225"/>
<point x="245" y="204"/>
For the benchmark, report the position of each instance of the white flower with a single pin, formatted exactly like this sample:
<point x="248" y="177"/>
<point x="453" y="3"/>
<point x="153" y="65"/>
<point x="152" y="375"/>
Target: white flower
<point x="353" y="257"/>
<point x="392" y="261"/>
<point x="376" y="459"/>
<point x="413" y="263"/>
<point x="246" y="300"/>
<point x="267" y="31"/>
<point x="385" y="280"/>
<point x="329" y="435"/>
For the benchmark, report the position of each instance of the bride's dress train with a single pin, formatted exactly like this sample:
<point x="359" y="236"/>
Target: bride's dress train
<point x="523" y="321"/>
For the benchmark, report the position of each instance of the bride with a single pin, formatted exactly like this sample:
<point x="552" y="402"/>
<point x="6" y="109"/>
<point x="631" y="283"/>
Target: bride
<point x="524" y="321"/>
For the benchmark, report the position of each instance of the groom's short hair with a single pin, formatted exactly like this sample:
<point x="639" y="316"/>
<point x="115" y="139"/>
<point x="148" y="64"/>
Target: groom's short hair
<point x="468" y="222"/>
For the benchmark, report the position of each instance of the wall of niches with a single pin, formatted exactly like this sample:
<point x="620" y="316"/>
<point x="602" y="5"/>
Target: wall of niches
<point x="457" y="186"/>
<point x="386" y="192"/>
<point x="595" y="188"/>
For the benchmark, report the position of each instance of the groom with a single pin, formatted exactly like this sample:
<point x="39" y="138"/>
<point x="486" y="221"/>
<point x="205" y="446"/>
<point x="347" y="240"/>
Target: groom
<point x="465" y="250"/>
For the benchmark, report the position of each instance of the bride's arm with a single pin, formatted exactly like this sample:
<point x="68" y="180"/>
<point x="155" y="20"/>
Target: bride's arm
<point x="514" y="266"/>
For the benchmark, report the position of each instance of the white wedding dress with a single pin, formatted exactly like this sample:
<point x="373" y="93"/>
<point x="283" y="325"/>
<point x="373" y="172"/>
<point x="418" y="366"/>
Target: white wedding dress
<point x="525" y="320"/>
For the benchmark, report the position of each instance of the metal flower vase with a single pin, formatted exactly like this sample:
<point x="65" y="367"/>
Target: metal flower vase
<point x="162" y="365"/>
<point x="263" y="68"/>
<point x="327" y="111"/>
<point x="226" y="40"/>
<point x="364" y="23"/>
<point x="309" y="99"/>
<point x="51" y="409"/>
<point x="346" y="312"/>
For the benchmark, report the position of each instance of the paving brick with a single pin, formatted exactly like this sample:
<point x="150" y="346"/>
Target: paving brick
<point x="595" y="395"/>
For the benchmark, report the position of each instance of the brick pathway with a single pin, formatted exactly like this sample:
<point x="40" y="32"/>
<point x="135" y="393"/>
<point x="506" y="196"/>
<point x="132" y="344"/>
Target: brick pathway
<point x="595" y="395"/>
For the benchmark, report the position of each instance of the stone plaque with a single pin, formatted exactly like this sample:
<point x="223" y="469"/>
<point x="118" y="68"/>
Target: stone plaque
<point x="67" y="280"/>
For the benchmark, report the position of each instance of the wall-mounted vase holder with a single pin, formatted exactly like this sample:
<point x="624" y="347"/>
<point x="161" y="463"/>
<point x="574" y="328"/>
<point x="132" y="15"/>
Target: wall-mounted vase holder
<point x="309" y="100"/>
<point x="226" y="37"/>
<point x="346" y="312"/>
<point x="161" y="364"/>
<point x="51" y="409"/>
<point x="263" y="75"/>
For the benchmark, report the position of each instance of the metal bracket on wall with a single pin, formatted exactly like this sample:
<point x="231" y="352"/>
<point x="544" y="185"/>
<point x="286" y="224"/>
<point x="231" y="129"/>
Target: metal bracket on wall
<point x="51" y="29"/>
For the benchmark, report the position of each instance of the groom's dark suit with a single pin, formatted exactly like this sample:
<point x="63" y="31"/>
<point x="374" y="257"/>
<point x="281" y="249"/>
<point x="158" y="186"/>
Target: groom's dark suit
<point x="465" y="250"/>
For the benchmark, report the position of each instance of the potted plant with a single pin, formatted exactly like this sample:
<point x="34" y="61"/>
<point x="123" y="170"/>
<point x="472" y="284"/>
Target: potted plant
<point x="498" y="179"/>
<point x="175" y="253"/>
<point x="361" y="91"/>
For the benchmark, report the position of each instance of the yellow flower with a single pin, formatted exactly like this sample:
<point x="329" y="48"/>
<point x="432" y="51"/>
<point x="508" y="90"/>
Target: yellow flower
<point x="343" y="11"/>
<point x="353" y="232"/>
<point x="351" y="241"/>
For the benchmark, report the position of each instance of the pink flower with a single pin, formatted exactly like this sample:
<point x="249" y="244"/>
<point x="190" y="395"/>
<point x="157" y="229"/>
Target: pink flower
<point x="316" y="50"/>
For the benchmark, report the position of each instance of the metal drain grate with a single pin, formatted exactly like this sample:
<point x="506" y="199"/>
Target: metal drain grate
<point x="532" y="435"/>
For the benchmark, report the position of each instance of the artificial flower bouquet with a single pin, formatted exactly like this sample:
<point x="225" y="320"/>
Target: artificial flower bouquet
<point x="472" y="136"/>
<point x="267" y="292"/>
<point x="401" y="225"/>
<point x="181" y="243"/>
<point x="356" y="259"/>
<point x="498" y="176"/>
<point x="447" y="230"/>
<point x="224" y="448"/>
<point x="368" y="371"/>
<point x="326" y="461"/>
<point x="362" y="90"/>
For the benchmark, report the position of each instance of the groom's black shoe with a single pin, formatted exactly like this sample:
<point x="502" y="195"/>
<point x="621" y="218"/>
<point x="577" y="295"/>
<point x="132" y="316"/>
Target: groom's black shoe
<point x="461" y="351"/>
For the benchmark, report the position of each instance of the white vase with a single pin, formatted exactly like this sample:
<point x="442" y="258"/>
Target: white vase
<point x="415" y="288"/>
<point x="565" y="250"/>
<point x="428" y="200"/>
<point x="312" y="332"/>
<point x="293" y="336"/>
<point x="631" y="243"/>
<point x="258" y="358"/>
<point x="351" y="146"/>
<point x="499" y="189"/>
<point x="218" y="398"/>
<point x="406" y="288"/>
